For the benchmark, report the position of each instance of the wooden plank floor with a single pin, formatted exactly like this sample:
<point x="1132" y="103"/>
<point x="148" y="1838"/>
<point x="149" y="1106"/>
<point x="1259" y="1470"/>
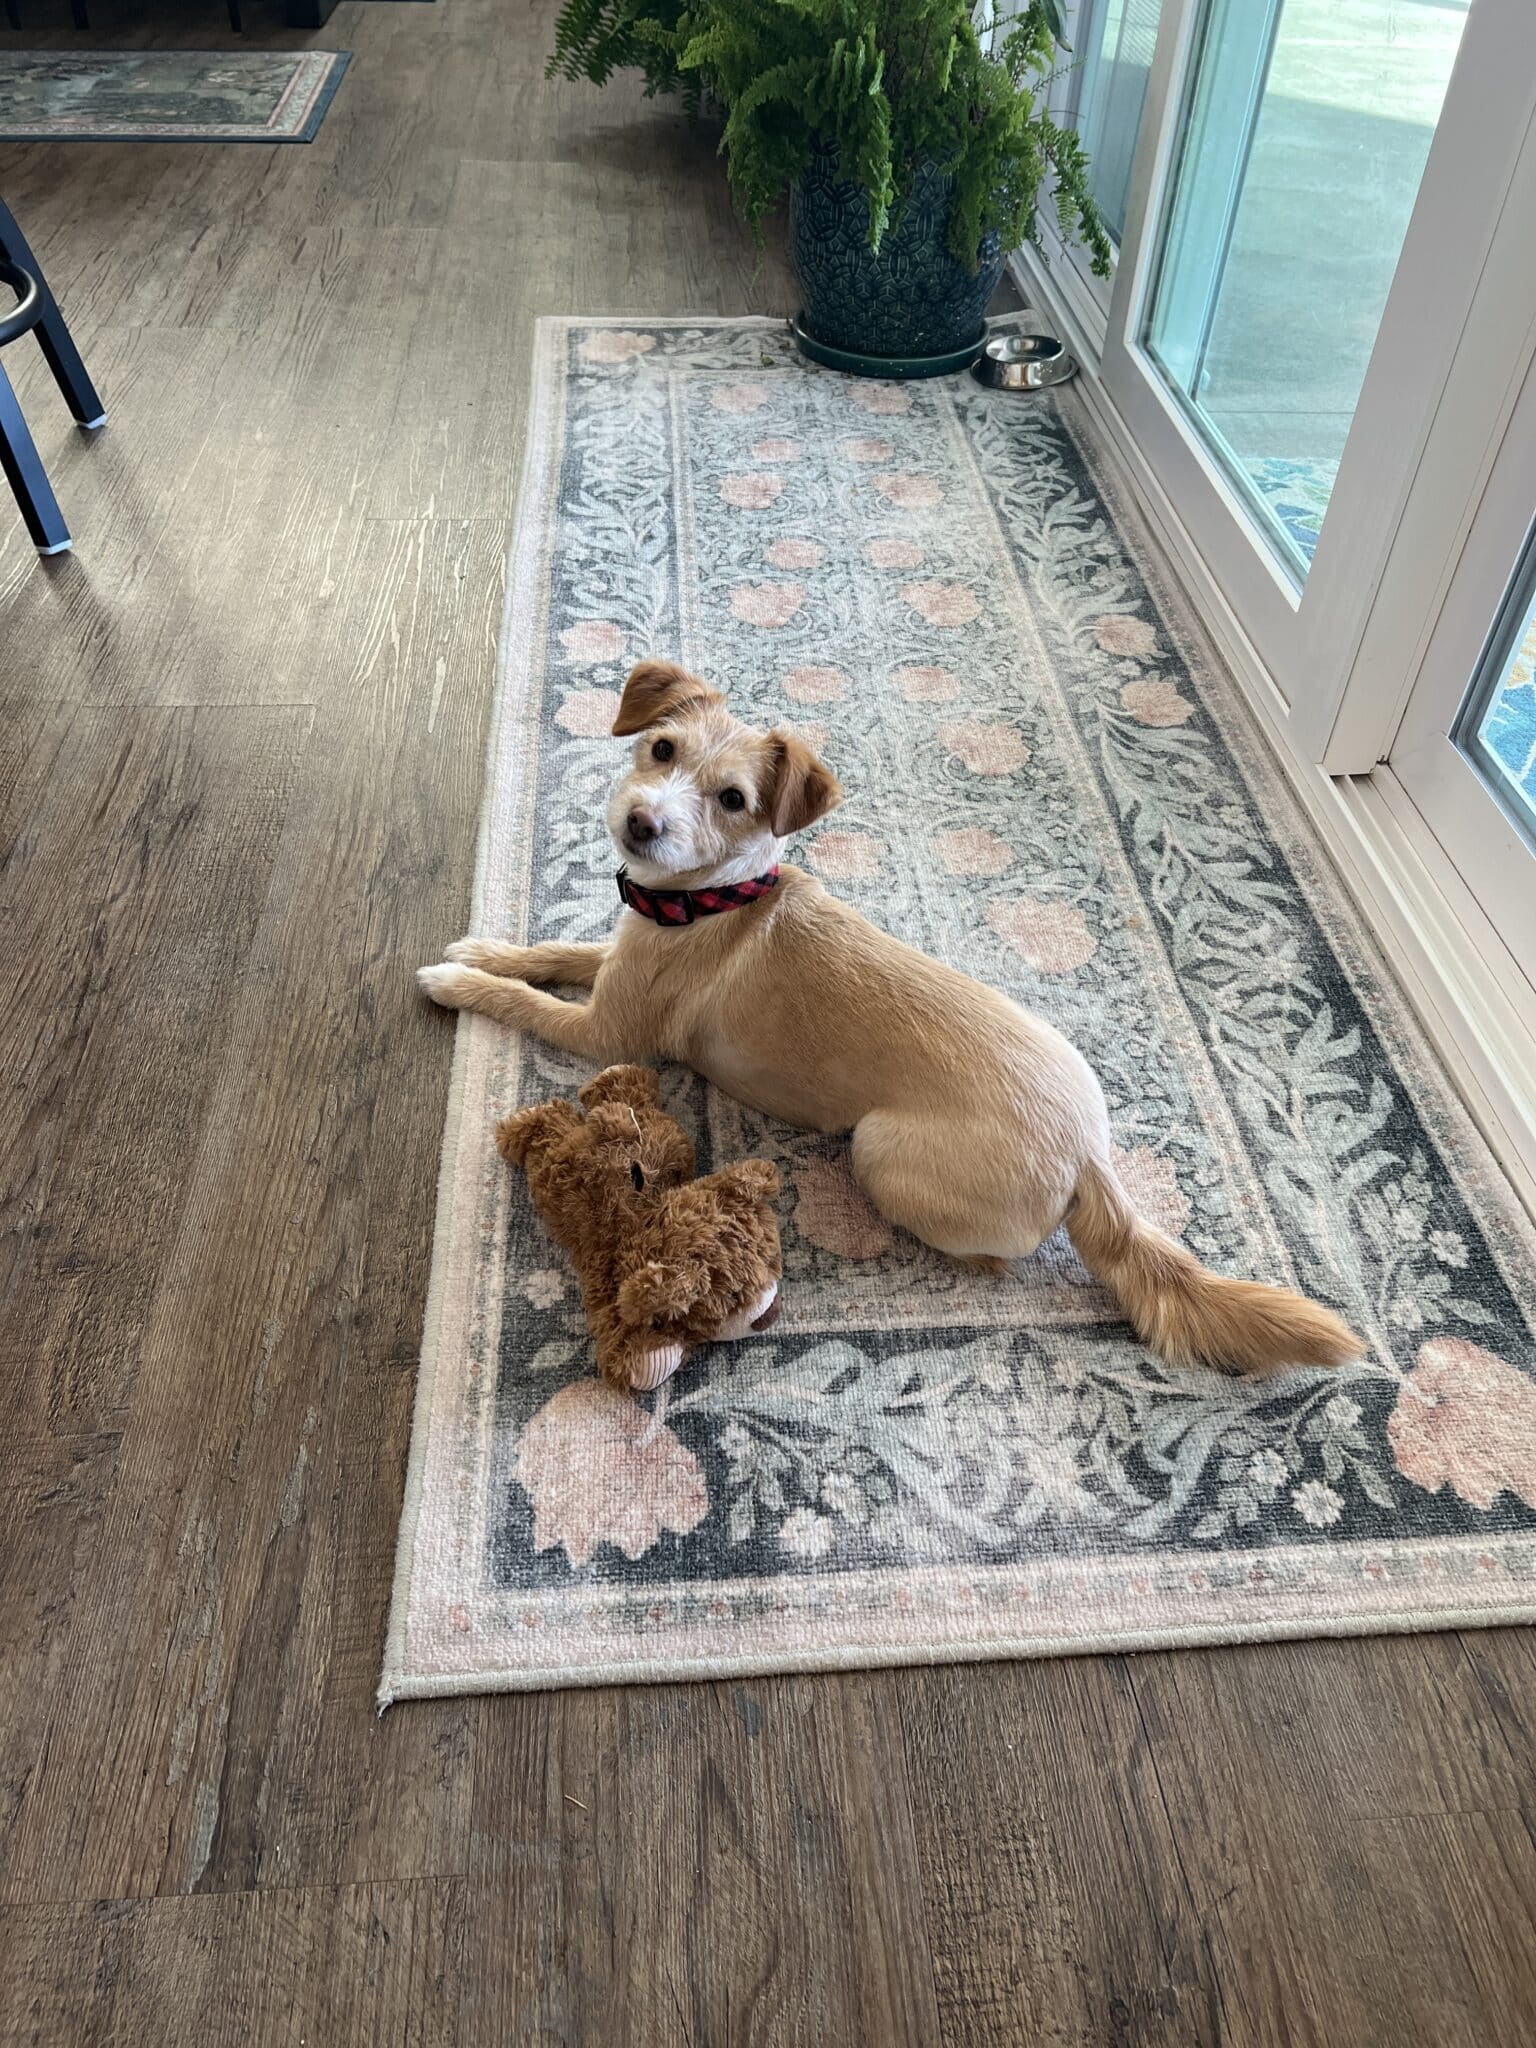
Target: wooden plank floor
<point x="240" y="748"/>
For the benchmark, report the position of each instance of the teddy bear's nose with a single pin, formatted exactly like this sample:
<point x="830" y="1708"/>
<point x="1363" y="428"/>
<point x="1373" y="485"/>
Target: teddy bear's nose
<point x="643" y="826"/>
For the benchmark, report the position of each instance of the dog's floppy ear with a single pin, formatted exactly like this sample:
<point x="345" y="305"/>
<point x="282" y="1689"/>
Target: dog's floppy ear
<point x="802" y="790"/>
<point x="654" y="691"/>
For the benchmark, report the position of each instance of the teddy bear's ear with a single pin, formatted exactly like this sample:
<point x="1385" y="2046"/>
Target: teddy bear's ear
<point x="638" y="1087"/>
<point x="661" y="1291"/>
<point x="517" y="1135"/>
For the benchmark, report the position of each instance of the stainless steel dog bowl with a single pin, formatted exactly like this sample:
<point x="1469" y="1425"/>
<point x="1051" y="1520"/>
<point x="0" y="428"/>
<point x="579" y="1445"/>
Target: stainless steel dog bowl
<point x="1023" y="362"/>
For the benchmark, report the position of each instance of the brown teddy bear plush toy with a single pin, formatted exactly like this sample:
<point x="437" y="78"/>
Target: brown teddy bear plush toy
<point x="666" y="1262"/>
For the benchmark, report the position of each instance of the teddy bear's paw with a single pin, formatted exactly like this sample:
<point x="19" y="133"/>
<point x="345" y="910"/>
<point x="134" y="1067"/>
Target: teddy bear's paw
<point x="647" y="1369"/>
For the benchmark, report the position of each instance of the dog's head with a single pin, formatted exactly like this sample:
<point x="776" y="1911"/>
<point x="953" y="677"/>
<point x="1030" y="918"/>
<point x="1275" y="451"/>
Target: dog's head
<point x="706" y="798"/>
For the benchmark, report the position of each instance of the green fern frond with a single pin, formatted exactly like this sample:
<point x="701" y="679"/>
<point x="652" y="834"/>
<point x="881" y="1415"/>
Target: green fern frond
<point x="887" y="84"/>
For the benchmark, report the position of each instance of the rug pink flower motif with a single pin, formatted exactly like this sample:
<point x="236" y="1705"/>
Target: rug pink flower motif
<point x="1052" y="937"/>
<point x="739" y="398"/>
<point x="986" y="746"/>
<point x="795" y="554"/>
<point x="885" y="401"/>
<point x="911" y="493"/>
<point x="863" y="448"/>
<point x="922" y="683"/>
<point x="893" y="554"/>
<point x="1156" y="703"/>
<point x="815" y="736"/>
<point x="754" y="492"/>
<point x="1148" y="1177"/>
<point x="767" y="604"/>
<point x="597" y="1469"/>
<point x="588" y="713"/>
<point x="1119" y="633"/>
<point x="942" y="604"/>
<point x="973" y="851"/>
<point x="778" y="448"/>
<point x="593" y="640"/>
<point x="847" y="856"/>
<point x="833" y="1211"/>
<point x="615" y="345"/>
<point x="815" y="685"/>
<point x="1466" y="1420"/>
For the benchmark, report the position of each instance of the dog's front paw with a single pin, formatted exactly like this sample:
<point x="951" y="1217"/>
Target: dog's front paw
<point x="473" y="953"/>
<point x="450" y="985"/>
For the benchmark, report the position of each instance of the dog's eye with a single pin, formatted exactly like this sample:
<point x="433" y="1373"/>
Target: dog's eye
<point x="636" y="1175"/>
<point x="732" y="800"/>
<point x="663" y="750"/>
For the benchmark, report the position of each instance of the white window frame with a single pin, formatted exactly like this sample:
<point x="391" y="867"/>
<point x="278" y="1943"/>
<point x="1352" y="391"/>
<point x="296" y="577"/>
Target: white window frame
<point x="1331" y="662"/>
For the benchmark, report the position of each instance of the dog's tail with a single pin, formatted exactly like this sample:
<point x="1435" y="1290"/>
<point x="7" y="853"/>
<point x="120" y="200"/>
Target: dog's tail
<point x="1184" y="1311"/>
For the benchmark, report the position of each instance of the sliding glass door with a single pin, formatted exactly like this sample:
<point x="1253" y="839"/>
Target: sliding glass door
<point x="1317" y="357"/>
<point x="1464" y="751"/>
<point x="1306" y="127"/>
<point x="1313" y="195"/>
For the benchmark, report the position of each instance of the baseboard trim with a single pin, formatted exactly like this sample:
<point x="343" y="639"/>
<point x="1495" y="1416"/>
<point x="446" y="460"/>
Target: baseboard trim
<point x="1475" y="1003"/>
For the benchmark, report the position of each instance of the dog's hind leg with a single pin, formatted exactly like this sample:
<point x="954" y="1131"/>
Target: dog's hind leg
<point x="594" y="1029"/>
<point x="955" y="1187"/>
<point x="547" y="966"/>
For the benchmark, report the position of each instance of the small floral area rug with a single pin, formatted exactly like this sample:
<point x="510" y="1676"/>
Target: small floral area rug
<point x="1050" y="786"/>
<point x="167" y="95"/>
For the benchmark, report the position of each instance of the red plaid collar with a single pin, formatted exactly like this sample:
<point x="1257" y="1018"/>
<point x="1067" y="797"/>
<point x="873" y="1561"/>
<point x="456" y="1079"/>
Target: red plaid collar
<point x="682" y="906"/>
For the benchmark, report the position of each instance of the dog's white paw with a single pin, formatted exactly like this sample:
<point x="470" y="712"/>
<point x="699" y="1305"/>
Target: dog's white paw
<point x="472" y="953"/>
<point x="445" y="984"/>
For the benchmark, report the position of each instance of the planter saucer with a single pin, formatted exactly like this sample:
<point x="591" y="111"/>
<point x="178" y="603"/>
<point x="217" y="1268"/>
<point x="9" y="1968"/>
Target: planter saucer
<point x="860" y="365"/>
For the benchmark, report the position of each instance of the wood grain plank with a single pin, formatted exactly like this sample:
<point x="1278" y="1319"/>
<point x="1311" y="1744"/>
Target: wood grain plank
<point x="729" y="1862"/>
<point x="1057" y="1906"/>
<point x="285" y="1318"/>
<point x="128" y="900"/>
<point x="349" y="1967"/>
<point x="1381" y="1931"/>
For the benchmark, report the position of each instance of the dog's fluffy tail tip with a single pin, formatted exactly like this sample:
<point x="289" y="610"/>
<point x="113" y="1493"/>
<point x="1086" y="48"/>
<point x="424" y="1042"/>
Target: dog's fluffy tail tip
<point x="1185" y="1312"/>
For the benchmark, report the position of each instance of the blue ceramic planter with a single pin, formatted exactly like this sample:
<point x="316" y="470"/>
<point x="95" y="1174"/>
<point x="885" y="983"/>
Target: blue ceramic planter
<point x="910" y="299"/>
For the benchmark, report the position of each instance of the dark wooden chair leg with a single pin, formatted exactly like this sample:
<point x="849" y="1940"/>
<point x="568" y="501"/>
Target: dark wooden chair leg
<point x="234" y="17"/>
<point x="13" y="13"/>
<point x="24" y="471"/>
<point x="77" y="10"/>
<point x="54" y="338"/>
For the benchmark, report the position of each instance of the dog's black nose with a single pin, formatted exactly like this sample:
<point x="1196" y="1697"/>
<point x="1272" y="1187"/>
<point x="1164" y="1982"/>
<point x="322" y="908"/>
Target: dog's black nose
<point x="643" y="826"/>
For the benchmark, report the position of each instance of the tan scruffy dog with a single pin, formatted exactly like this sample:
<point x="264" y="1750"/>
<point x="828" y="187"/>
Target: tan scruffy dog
<point x="666" y="1262"/>
<point x="975" y="1125"/>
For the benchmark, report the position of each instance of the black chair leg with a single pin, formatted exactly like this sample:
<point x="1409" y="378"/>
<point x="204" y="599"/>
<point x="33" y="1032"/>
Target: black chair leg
<point x="81" y="18"/>
<point x="234" y="17"/>
<point x="13" y="13"/>
<point x="53" y="337"/>
<point x="24" y="471"/>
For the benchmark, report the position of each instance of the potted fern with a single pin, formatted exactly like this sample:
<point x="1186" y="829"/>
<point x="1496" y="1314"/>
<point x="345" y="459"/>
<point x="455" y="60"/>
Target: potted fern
<point x="913" y="155"/>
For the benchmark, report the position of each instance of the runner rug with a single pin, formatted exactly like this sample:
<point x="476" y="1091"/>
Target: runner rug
<point x="1050" y="785"/>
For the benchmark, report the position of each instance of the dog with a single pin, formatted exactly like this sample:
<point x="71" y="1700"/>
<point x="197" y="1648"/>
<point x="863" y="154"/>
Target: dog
<point x="976" y="1126"/>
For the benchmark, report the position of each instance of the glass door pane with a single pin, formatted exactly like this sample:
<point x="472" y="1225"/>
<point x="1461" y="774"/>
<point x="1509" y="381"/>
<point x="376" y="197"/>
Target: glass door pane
<point x="1496" y="729"/>
<point x="1112" y="43"/>
<point x="1307" y="125"/>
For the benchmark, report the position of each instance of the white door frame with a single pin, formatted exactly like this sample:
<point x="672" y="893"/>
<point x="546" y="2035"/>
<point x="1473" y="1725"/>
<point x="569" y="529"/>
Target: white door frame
<point x="1308" y="638"/>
